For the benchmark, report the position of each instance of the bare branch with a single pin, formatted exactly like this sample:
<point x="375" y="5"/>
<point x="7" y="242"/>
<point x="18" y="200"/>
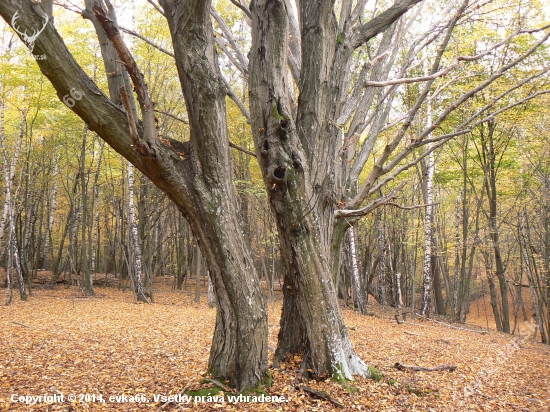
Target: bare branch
<point x="144" y="98"/>
<point x="367" y="31"/>
<point x="245" y="9"/>
<point x="403" y="367"/>
<point x="413" y="207"/>
<point x="233" y="96"/>
<point x="382" y="200"/>
<point x="229" y="37"/>
<point x="453" y="65"/>
<point x="388" y="150"/>
<point x="236" y="63"/>
<point x="242" y="149"/>
<point x="156" y="6"/>
<point x="179" y="119"/>
<point x="146" y="40"/>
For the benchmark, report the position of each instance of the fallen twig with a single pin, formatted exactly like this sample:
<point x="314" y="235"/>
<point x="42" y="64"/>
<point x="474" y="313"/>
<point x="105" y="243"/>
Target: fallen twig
<point x="483" y="332"/>
<point x="169" y="402"/>
<point x="21" y="324"/>
<point x="412" y="333"/>
<point x="403" y="367"/>
<point x="321" y="395"/>
<point x="218" y="383"/>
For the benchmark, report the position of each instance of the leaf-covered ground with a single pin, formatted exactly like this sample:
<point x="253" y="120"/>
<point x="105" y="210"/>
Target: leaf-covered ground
<point x="61" y="342"/>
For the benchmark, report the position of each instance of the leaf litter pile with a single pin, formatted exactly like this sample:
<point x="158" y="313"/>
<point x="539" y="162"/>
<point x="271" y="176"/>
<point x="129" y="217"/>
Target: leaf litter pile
<point x="60" y="342"/>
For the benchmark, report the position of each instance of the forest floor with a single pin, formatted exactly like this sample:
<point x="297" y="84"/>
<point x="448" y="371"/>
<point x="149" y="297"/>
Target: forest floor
<point x="60" y="342"/>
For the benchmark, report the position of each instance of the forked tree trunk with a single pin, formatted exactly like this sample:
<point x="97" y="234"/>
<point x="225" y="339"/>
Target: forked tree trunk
<point x="491" y="167"/>
<point x="311" y="304"/>
<point x="197" y="176"/>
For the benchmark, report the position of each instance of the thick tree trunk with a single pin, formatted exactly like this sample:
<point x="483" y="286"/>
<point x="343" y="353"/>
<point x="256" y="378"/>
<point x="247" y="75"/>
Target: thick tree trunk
<point x="292" y="338"/>
<point x="305" y="244"/>
<point x="197" y="176"/>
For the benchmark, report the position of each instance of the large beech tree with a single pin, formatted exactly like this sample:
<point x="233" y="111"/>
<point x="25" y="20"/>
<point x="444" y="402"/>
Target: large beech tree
<point x="316" y="86"/>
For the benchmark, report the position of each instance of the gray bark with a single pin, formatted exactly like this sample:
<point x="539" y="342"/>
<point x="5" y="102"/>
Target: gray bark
<point x="200" y="184"/>
<point x="357" y="284"/>
<point x="137" y="261"/>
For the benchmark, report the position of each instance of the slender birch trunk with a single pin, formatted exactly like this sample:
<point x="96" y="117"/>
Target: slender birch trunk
<point x="51" y="213"/>
<point x="94" y="225"/>
<point x="382" y="274"/>
<point x="457" y="255"/>
<point x="9" y="171"/>
<point x="140" y="292"/>
<point x="355" y="272"/>
<point x="84" y="258"/>
<point x="198" y="273"/>
<point x="428" y="223"/>
<point x="211" y="295"/>
<point x="9" y="175"/>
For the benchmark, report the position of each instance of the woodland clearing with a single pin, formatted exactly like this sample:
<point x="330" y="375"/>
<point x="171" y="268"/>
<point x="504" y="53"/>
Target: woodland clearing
<point x="62" y="342"/>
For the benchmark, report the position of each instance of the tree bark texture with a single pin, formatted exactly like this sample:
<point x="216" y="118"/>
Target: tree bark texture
<point x="196" y="176"/>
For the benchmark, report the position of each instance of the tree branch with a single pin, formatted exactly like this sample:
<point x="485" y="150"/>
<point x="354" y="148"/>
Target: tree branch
<point x="243" y="8"/>
<point x="229" y="36"/>
<point x="451" y="66"/>
<point x="411" y="207"/>
<point x="146" y="40"/>
<point x="367" y="31"/>
<point x="382" y="200"/>
<point x="144" y="98"/>
<point x="233" y="96"/>
<point x="242" y="149"/>
<point x="403" y="367"/>
<point x="156" y="6"/>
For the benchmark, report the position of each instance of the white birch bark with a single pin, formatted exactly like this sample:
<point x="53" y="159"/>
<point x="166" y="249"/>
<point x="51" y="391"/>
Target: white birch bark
<point x="399" y="293"/>
<point x="457" y="253"/>
<point x="198" y="272"/>
<point x="428" y="223"/>
<point x="9" y="204"/>
<point x="355" y="271"/>
<point x="95" y="218"/>
<point x="140" y="292"/>
<point x="9" y="170"/>
<point x="383" y="268"/>
<point x="51" y="212"/>
<point x="211" y="295"/>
